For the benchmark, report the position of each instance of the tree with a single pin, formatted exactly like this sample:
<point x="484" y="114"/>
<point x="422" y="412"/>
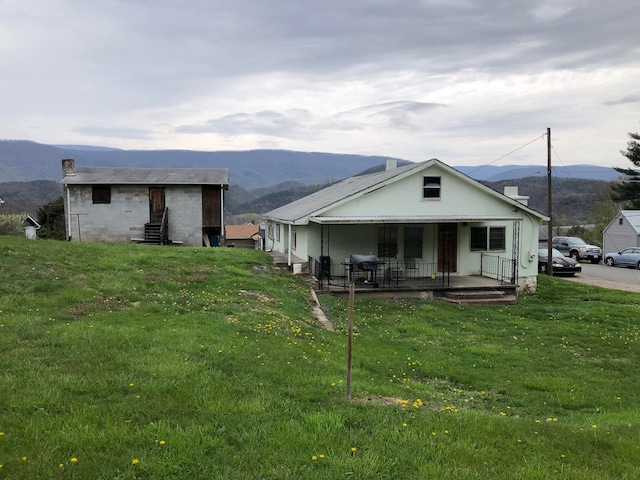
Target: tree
<point x="628" y="191"/>
<point x="51" y="218"/>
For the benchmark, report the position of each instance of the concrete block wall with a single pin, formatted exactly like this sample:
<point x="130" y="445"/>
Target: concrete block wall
<point x="125" y="216"/>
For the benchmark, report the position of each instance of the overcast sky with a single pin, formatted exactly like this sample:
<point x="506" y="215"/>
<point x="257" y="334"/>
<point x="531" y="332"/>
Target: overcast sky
<point x="464" y="81"/>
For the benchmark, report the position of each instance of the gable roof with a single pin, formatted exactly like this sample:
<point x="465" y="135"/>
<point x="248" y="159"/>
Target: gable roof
<point x="303" y="209"/>
<point x="147" y="176"/>
<point x="632" y="216"/>
<point x="241" y="231"/>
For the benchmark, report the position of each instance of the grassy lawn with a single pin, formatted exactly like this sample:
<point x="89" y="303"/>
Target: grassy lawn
<point x="129" y="361"/>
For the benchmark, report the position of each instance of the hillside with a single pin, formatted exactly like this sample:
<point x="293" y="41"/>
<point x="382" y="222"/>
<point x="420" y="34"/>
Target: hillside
<point x="137" y="362"/>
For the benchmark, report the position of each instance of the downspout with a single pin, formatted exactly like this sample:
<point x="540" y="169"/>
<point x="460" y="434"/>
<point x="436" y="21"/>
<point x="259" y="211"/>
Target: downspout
<point x="68" y="213"/>
<point x="289" y="249"/>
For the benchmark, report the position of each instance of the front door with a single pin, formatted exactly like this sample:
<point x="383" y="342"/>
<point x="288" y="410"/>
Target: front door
<point x="156" y="204"/>
<point x="447" y="247"/>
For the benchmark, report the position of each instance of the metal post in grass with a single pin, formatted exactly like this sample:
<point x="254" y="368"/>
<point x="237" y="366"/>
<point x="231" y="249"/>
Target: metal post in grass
<point x="350" y="337"/>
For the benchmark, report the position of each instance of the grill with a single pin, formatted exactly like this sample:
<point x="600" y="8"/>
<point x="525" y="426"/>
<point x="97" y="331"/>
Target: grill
<point x="364" y="269"/>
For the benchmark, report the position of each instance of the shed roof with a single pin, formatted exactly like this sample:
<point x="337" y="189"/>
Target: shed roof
<point x="241" y="231"/>
<point x="148" y="176"/>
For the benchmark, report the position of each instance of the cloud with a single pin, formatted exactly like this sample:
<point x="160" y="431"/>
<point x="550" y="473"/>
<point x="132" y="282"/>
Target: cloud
<point x="633" y="98"/>
<point x="402" y="78"/>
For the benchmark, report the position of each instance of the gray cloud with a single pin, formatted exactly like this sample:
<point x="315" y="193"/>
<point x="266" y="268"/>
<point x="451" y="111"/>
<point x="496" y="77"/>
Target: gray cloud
<point x="300" y="74"/>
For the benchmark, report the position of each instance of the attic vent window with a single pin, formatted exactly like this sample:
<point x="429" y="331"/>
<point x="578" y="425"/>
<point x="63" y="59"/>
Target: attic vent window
<point x="430" y="187"/>
<point x="620" y="222"/>
<point x="101" y="194"/>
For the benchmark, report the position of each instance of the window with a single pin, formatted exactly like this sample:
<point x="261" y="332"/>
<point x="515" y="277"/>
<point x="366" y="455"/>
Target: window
<point x="413" y="242"/>
<point x="295" y="240"/>
<point x="430" y="187"/>
<point x="620" y="222"/>
<point x="277" y="232"/>
<point x="488" y="238"/>
<point x="478" y="238"/>
<point x="387" y="242"/>
<point x="101" y="194"/>
<point x="270" y="231"/>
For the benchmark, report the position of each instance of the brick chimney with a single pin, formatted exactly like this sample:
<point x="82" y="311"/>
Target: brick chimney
<point x="68" y="167"/>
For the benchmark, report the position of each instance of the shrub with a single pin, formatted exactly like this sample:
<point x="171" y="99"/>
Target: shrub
<point x="11" y="224"/>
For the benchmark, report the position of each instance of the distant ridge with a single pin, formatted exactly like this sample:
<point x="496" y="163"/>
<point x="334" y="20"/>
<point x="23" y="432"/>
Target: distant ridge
<point x="88" y="148"/>
<point x="491" y="173"/>
<point x="23" y="161"/>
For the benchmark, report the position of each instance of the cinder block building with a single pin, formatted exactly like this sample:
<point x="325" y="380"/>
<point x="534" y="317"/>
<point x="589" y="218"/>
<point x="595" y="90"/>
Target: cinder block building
<point x="144" y="205"/>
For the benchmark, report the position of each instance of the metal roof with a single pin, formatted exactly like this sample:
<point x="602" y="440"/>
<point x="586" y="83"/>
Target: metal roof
<point x="147" y="176"/>
<point x="412" y="219"/>
<point x="313" y="205"/>
<point x="334" y="193"/>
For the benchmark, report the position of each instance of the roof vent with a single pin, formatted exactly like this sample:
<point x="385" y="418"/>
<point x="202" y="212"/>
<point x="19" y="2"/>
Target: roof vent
<point x="391" y="164"/>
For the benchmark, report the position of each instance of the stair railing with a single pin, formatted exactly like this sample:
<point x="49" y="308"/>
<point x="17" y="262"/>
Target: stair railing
<point x="164" y="226"/>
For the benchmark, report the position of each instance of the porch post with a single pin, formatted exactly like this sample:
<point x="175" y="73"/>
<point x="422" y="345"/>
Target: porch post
<point x="289" y="249"/>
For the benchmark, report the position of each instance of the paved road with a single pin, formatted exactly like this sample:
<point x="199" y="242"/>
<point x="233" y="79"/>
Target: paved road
<point x="609" y="277"/>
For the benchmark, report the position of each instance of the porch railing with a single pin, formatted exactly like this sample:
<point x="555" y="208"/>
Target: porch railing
<point x="500" y="268"/>
<point x="388" y="274"/>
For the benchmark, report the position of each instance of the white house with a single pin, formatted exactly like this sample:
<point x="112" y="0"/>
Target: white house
<point x="422" y="220"/>
<point x="151" y="205"/>
<point x="622" y="232"/>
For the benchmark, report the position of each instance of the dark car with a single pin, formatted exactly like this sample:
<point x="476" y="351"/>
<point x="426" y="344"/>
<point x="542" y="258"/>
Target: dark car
<point x="629" y="257"/>
<point x="561" y="265"/>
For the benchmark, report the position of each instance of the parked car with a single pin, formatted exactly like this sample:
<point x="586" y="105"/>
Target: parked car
<point x="577" y="249"/>
<point x="561" y="265"/>
<point x="629" y="257"/>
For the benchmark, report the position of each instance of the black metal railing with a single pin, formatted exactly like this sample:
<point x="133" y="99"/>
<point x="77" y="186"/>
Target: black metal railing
<point x="500" y="268"/>
<point x="388" y="274"/>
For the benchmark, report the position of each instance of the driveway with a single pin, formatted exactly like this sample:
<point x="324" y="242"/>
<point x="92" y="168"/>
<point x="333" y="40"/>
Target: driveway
<point x="627" y="279"/>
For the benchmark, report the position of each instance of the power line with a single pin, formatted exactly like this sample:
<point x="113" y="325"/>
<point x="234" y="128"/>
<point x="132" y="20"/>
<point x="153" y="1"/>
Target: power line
<point x="507" y="154"/>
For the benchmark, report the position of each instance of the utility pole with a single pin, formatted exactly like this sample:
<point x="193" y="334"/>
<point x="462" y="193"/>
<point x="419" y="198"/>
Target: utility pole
<point x="549" y="208"/>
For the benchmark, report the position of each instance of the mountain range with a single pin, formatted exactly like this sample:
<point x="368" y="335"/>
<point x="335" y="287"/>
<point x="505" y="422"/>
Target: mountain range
<point x="23" y="161"/>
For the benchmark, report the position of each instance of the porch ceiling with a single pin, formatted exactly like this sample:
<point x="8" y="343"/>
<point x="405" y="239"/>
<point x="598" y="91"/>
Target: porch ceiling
<point x="411" y="219"/>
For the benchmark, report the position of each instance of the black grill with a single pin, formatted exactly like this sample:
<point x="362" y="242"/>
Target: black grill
<point x="364" y="269"/>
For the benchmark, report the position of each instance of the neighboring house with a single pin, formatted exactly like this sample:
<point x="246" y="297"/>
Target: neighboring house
<point x="622" y="232"/>
<point x="1" y="201"/>
<point x="150" y="205"/>
<point x="243" y="236"/>
<point x="425" y="217"/>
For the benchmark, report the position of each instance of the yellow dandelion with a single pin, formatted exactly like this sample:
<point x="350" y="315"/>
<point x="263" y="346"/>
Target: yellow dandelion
<point x="314" y="458"/>
<point x="594" y="426"/>
<point x="404" y="424"/>
<point x="24" y="459"/>
<point x="74" y="460"/>
<point x="135" y="461"/>
<point x="322" y="455"/>
<point x="353" y="449"/>
<point x="61" y="465"/>
<point x="162" y="442"/>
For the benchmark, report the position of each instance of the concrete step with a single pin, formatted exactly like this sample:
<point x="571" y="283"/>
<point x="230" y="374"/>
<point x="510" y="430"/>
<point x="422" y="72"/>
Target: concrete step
<point x="480" y="297"/>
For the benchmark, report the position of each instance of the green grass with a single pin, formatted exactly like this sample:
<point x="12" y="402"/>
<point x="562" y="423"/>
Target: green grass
<point x="207" y="363"/>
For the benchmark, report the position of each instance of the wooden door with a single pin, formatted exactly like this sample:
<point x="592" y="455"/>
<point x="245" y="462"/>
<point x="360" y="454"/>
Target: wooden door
<point x="211" y="206"/>
<point x="156" y="204"/>
<point x="447" y="247"/>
